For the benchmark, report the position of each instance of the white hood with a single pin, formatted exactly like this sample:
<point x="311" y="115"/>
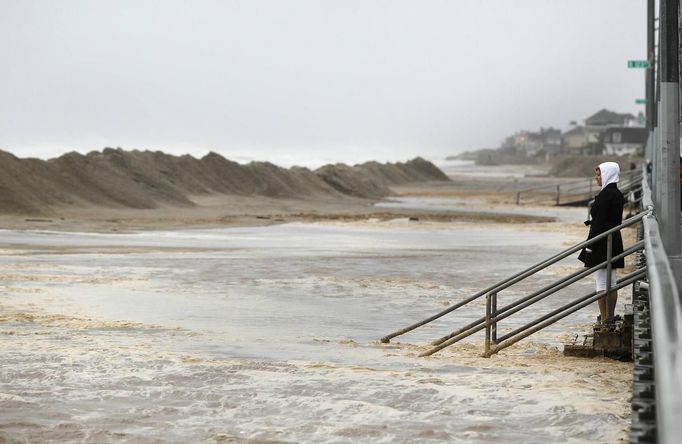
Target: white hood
<point x="610" y="172"/>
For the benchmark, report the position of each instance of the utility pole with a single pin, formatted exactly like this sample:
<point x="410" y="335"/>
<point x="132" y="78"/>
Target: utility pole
<point x="651" y="58"/>
<point x="668" y="155"/>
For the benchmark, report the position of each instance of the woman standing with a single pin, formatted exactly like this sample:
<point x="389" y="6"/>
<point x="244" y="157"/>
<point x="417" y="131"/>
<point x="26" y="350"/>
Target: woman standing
<point x="606" y="213"/>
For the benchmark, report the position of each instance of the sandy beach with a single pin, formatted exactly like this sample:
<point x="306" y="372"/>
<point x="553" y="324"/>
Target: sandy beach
<point x="257" y="320"/>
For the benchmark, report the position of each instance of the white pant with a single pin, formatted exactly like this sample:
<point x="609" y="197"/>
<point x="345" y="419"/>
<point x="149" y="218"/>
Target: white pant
<point x="601" y="279"/>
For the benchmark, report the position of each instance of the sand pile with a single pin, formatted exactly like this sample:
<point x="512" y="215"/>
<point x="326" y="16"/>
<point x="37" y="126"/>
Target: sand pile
<point x="115" y="178"/>
<point x="373" y="179"/>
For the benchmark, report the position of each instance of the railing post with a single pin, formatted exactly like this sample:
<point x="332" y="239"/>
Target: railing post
<point x="558" y="194"/>
<point x="609" y="254"/>
<point x="493" y="314"/>
<point x="518" y="197"/>
<point x="488" y="301"/>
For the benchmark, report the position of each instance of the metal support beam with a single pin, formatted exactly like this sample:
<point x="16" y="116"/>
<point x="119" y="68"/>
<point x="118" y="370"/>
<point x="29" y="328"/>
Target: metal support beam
<point x="656" y="186"/>
<point x="651" y="57"/>
<point x="668" y="160"/>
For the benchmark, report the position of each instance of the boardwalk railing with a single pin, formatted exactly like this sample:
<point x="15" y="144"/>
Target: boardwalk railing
<point x="575" y="192"/>
<point x="665" y="308"/>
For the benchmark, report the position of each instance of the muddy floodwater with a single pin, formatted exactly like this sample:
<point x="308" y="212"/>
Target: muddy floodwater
<point x="270" y="334"/>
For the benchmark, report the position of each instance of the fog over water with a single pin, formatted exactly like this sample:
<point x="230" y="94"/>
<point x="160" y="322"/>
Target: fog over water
<point x="307" y="82"/>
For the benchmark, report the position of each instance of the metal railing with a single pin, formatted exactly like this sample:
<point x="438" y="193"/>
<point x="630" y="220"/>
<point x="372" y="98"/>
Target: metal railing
<point x="577" y="191"/>
<point x="493" y="315"/>
<point x="666" y="330"/>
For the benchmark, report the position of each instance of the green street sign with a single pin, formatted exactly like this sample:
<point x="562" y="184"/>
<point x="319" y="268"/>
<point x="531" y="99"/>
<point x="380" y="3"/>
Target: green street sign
<point x="638" y="64"/>
<point x="640" y="101"/>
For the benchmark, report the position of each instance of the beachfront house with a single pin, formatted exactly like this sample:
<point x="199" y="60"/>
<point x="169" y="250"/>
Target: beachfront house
<point x="625" y="140"/>
<point x="528" y="144"/>
<point x="591" y="138"/>
<point x="574" y="141"/>
<point x="551" y="141"/>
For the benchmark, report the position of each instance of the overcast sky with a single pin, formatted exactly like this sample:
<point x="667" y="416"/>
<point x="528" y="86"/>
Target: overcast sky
<point x="309" y="82"/>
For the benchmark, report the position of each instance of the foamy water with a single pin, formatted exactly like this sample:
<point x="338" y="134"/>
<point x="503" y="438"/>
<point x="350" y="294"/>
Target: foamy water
<point x="270" y="334"/>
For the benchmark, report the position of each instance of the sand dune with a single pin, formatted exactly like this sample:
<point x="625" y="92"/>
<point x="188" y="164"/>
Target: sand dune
<point x="115" y="178"/>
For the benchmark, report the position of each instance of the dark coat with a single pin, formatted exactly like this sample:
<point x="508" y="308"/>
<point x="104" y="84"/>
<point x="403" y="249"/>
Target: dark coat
<point x="606" y="212"/>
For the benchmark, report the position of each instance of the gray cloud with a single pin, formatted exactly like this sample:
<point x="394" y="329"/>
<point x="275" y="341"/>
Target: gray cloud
<point x="308" y="81"/>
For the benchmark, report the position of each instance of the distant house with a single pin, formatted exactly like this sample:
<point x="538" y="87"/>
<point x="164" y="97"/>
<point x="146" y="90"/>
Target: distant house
<point x="591" y="137"/>
<point x="509" y="146"/>
<point x="606" y="118"/>
<point x="574" y="141"/>
<point x="551" y="140"/>
<point x="625" y="140"/>
<point x="532" y="144"/>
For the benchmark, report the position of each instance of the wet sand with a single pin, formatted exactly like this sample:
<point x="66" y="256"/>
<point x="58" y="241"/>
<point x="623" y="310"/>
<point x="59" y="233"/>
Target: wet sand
<point x="270" y="334"/>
